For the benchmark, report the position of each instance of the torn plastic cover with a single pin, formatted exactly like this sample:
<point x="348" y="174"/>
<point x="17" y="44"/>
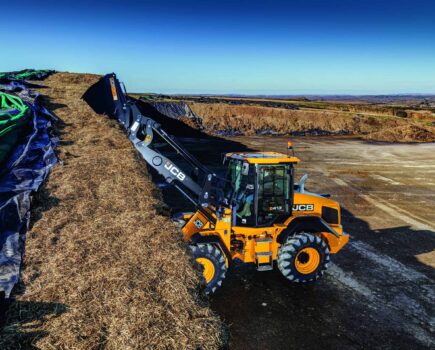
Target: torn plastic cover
<point x="21" y="175"/>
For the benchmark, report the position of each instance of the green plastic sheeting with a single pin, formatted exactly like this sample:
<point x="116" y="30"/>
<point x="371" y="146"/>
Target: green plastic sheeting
<point x="27" y="74"/>
<point x="14" y="115"/>
<point x="30" y="74"/>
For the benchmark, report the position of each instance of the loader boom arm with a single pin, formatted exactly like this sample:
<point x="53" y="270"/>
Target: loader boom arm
<point x="200" y="186"/>
<point x="141" y="134"/>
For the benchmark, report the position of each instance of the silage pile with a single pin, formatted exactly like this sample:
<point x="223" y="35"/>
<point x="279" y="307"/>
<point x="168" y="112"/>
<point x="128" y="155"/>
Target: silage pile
<point x="407" y="133"/>
<point x="104" y="267"/>
<point x="221" y="118"/>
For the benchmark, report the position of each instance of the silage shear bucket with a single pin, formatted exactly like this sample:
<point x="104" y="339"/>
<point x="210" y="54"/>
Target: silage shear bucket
<point x="109" y="98"/>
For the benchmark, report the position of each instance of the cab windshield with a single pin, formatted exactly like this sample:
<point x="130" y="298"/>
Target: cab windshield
<point x="242" y="177"/>
<point x="234" y="176"/>
<point x="273" y="199"/>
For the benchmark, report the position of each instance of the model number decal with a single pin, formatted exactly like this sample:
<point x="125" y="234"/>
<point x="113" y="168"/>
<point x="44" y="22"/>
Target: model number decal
<point x="174" y="171"/>
<point x="303" y="207"/>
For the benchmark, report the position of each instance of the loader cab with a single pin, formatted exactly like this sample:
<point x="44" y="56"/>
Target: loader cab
<point x="262" y="187"/>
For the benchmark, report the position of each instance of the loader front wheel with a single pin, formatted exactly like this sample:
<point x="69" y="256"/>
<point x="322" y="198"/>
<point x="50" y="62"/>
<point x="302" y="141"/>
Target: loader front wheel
<point x="303" y="258"/>
<point x="212" y="261"/>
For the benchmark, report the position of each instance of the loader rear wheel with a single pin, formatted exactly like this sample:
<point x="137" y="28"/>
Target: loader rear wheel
<point x="211" y="258"/>
<point x="303" y="257"/>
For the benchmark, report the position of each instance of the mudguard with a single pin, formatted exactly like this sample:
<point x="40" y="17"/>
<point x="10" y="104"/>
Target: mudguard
<point x="305" y="224"/>
<point x="198" y="238"/>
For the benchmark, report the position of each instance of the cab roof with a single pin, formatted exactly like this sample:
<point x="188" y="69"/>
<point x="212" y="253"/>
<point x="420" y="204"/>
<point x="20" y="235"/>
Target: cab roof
<point x="263" y="157"/>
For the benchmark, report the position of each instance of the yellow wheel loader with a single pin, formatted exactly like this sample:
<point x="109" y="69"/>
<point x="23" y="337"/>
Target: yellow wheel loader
<point x="256" y="213"/>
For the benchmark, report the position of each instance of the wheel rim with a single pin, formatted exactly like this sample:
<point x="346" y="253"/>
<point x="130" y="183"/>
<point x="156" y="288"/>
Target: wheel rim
<point x="307" y="260"/>
<point x="208" y="267"/>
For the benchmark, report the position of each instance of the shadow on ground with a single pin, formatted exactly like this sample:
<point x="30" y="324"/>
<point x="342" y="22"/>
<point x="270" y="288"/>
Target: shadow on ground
<point x="402" y="243"/>
<point x="23" y="323"/>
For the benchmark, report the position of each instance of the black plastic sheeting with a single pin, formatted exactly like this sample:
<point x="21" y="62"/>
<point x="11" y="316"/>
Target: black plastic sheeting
<point x="22" y="175"/>
<point x="175" y="110"/>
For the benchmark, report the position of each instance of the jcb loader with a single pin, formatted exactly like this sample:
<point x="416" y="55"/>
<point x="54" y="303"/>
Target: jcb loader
<point x="256" y="213"/>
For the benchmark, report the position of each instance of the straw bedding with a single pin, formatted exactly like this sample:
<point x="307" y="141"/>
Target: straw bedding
<point x="104" y="265"/>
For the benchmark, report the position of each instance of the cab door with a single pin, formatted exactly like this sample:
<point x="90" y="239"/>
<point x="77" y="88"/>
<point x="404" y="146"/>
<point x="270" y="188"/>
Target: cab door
<point x="274" y="194"/>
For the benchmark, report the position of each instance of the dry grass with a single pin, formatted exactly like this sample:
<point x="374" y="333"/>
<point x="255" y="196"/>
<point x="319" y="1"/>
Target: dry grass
<point x="421" y="115"/>
<point x="104" y="268"/>
<point x="248" y="119"/>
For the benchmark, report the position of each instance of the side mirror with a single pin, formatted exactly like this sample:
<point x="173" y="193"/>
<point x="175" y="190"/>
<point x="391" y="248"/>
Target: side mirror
<point x="301" y="183"/>
<point x="245" y="169"/>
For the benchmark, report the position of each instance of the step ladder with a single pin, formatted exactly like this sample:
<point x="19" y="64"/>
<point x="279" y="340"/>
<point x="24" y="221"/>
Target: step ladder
<point x="263" y="254"/>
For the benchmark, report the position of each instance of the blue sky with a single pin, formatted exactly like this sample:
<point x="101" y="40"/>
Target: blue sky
<point x="250" y="47"/>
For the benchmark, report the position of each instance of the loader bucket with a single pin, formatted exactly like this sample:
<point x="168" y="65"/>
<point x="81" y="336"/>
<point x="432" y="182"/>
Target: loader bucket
<point x="107" y="97"/>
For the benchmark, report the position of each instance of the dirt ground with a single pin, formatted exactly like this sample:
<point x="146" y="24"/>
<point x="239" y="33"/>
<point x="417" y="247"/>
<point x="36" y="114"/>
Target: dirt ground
<point x="380" y="291"/>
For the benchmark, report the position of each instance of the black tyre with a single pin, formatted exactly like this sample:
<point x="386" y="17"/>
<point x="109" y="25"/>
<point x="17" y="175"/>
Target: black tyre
<point x="213" y="264"/>
<point x="303" y="258"/>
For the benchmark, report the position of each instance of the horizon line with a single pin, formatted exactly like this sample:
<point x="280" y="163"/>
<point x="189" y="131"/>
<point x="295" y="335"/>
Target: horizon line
<point x="404" y="94"/>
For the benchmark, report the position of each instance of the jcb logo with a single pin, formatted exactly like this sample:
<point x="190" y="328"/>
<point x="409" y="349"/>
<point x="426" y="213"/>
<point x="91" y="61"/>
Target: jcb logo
<point x="303" y="207"/>
<point x="174" y="171"/>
